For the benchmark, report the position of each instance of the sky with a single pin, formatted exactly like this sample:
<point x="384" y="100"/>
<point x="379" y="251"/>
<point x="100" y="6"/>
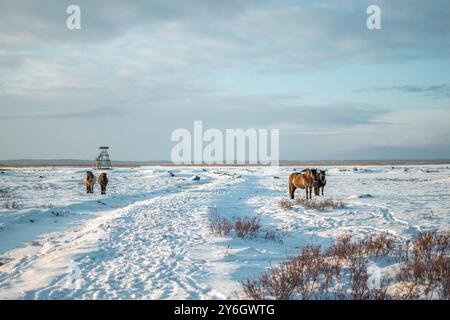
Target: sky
<point x="138" y="70"/>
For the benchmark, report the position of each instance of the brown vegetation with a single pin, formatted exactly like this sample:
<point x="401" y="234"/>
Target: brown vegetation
<point x="12" y="205"/>
<point x="5" y="193"/>
<point x="319" y="274"/>
<point x="247" y="227"/>
<point x="244" y="227"/>
<point x="220" y="225"/>
<point x="426" y="270"/>
<point x="322" y="204"/>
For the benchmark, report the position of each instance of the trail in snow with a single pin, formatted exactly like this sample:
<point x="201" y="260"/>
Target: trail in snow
<point x="140" y="251"/>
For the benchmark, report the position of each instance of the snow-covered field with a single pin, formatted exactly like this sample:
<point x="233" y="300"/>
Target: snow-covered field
<point x="150" y="237"/>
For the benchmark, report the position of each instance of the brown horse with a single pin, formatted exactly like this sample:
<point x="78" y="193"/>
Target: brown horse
<point x="305" y="180"/>
<point x="103" y="181"/>
<point x="89" y="181"/>
<point x="320" y="183"/>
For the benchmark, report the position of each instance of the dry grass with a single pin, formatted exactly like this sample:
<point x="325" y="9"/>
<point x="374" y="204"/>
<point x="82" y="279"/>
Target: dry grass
<point x="285" y="204"/>
<point x="319" y="274"/>
<point x="12" y="205"/>
<point x="309" y="204"/>
<point x="321" y="204"/>
<point x="273" y="235"/>
<point x="403" y="180"/>
<point x="5" y="193"/>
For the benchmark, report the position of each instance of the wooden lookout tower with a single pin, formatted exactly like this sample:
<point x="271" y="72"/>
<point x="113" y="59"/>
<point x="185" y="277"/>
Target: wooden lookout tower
<point x="102" y="161"/>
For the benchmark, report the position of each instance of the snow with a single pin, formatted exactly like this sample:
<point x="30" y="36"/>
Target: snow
<point x="150" y="237"/>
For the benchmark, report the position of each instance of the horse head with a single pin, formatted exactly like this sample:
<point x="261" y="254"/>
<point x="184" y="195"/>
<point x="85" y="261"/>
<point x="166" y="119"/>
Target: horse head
<point x="321" y="176"/>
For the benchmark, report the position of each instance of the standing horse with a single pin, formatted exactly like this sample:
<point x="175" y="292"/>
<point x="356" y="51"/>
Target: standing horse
<point x="305" y="180"/>
<point x="89" y="181"/>
<point x="103" y="181"/>
<point x="320" y="183"/>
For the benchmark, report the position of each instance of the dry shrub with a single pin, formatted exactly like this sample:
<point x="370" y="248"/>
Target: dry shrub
<point x="247" y="227"/>
<point x="378" y="245"/>
<point x="310" y="204"/>
<point x="12" y="205"/>
<point x="5" y="193"/>
<point x="359" y="277"/>
<point x="300" y="276"/>
<point x="220" y="225"/>
<point x="346" y="249"/>
<point x="343" y="249"/>
<point x="253" y="289"/>
<point x="427" y="269"/>
<point x="285" y="204"/>
<point x="321" y="204"/>
<point x="277" y="282"/>
<point x="273" y="235"/>
<point x="330" y="203"/>
<point x="314" y="273"/>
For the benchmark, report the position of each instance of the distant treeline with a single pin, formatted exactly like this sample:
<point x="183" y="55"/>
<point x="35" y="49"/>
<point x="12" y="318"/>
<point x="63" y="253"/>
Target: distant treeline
<point x="91" y="163"/>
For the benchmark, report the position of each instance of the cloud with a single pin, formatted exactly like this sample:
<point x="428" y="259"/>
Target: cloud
<point x="92" y="113"/>
<point x="159" y="62"/>
<point x="147" y="42"/>
<point x="285" y="35"/>
<point x="435" y="91"/>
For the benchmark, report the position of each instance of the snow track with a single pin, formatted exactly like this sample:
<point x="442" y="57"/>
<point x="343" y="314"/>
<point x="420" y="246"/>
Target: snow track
<point x="140" y="251"/>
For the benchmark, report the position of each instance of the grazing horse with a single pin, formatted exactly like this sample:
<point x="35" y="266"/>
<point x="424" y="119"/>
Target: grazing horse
<point x="305" y="180"/>
<point x="103" y="181"/>
<point x="89" y="181"/>
<point x="320" y="183"/>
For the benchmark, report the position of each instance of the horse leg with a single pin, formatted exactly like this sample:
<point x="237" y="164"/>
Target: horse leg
<point x="306" y="193"/>
<point x="292" y="189"/>
<point x="322" y="191"/>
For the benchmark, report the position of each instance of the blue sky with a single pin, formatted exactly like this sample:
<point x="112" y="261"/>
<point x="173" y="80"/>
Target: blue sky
<point x="138" y="70"/>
